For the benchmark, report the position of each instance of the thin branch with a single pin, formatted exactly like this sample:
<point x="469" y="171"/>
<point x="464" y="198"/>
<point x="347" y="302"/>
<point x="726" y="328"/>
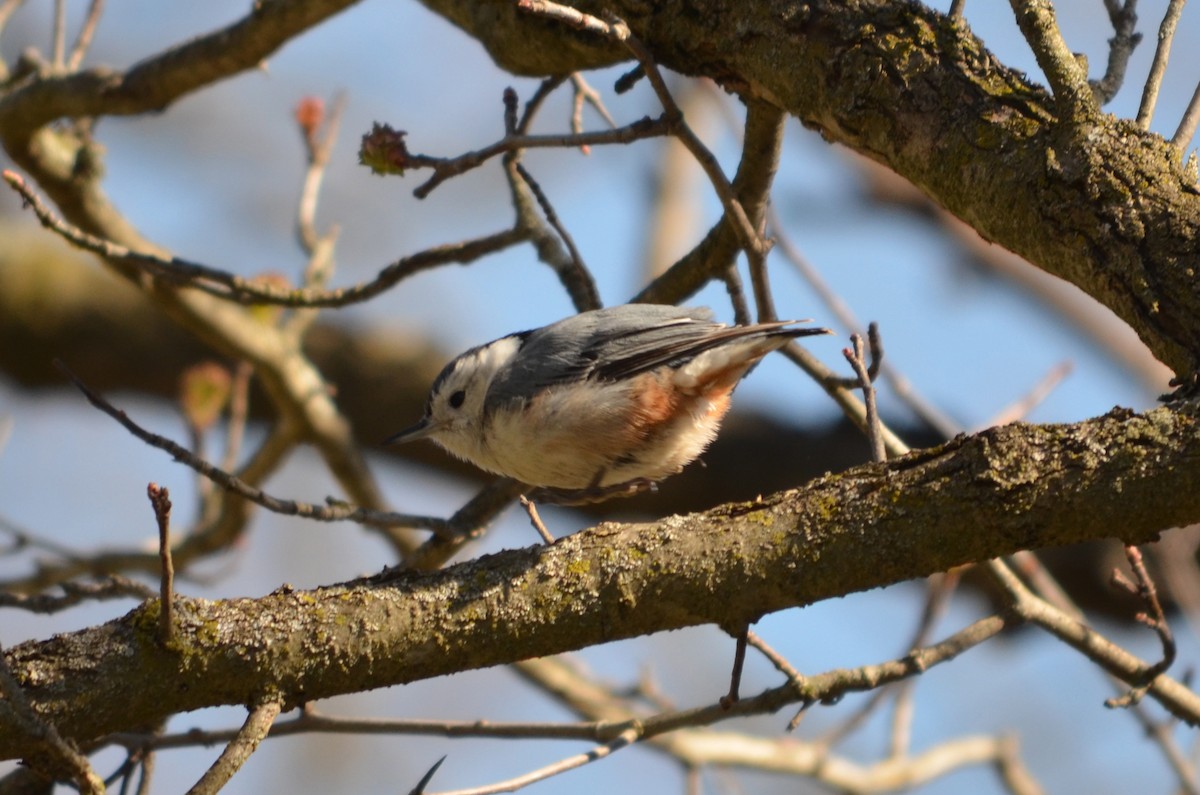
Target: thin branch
<point x="160" y="499"/>
<point x="7" y="9"/>
<point x="585" y="94"/>
<point x="617" y="31"/>
<point x="748" y="236"/>
<point x="940" y="587"/>
<point x="735" y="675"/>
<point x="58" y="57"/>
<point x="704" y="746"/>
<point x="1154" y="618"/>
<point x="1125" y="40"/>
<point x="257" y="725"/>
<point x="737" y="296"/>
<point x="778" y="660"/>
<point x="444" y="168"/>
<point x="901" y="387"/>
<point x="622" y="740"/>
<point x="239" y="412"/>
<point x="1179" y="700"/>
<point x="83" y="42"/>
<point x="764" y="129"/>
<point x="334" y="511"/>
<point x="112" y="586"/>
<point x="1166" y="36"/>
<point x="1045" y="586"/>
<point x="855" y="356"/>
<point x="309" y="721"/>
<point x="571" y="270"/>
<point x="850" y="405"/>
<point x="249" y="291"/>
<point x="1072" y="94"/>
<point x="319" y="133"/>
<point x="1189" y="122"/>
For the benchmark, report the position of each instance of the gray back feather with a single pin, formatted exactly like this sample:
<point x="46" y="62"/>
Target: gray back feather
<point x="605" y="344"/>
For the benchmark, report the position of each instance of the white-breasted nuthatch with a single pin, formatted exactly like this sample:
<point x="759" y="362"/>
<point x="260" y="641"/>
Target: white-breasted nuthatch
<point x="598" y="402"/>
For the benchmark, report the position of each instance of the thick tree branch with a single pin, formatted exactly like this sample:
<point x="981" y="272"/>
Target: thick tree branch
<point x="1021" y="486"/>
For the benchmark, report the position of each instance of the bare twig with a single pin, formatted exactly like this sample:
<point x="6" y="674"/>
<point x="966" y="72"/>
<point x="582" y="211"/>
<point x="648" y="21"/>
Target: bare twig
<point x="249" y="291"/>
<point x="319" y="133"/>
<point x="445" y="168"/>
<point x="1046" y="587"/>
<point x="853" y="408"/>
<point x="617" y="31"/>
<point x="901" y="387"/>
<point x="309" y="721"/>
<point x="737" y="296"/>
<point x="532" y="105"/>
<point x="239" y="412"/>
<point x="146" y="774"/>
<point x="735" y="675"/>
<point x="73" y="593"/>
<point x="239" y="749"/>
<point x="83" y="41"/>
<point x="332" y="512"/>
<point x="622" y="740"/>
<point x="856" y="357"/>
<point x="1068" y="80"/>
<point x="956" y="9"/>
<point x="59" y="753"/>
<point x="748" y="236"/>
<point x="585" y="94"/>
<point x="767" y="123"/>
<point x="578" y="272"/>
<point x="160" y="499"/>
<point x="1166" y="36"/>
<point x="535" y="519"/>
<point x="940" y="587"/>
<point x="7" y="9"/>
<point x="1155" y="619"/>
<point x="1179" y="700"/>
<point x="58" y="57"/>
<point x="1189" y="122"/>
<point x="781" y="664"/>
<point x="673" y="731"/>
<point x="1125" y="40"/>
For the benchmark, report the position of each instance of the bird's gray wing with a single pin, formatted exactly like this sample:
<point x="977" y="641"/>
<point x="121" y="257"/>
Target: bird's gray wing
<point x="606" y="344"/>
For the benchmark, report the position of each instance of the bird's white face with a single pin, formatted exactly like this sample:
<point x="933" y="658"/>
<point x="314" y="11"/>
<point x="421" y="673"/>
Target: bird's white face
<point x="455" y="414"/>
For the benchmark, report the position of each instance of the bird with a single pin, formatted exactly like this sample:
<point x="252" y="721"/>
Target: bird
<point x="603" y="403"/>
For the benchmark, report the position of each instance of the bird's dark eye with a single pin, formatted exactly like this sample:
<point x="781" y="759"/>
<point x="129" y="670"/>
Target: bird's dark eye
<point x="456" y="400"/>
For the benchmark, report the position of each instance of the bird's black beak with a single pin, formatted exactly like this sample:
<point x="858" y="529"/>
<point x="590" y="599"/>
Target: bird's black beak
<point x="422" y="430"/>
